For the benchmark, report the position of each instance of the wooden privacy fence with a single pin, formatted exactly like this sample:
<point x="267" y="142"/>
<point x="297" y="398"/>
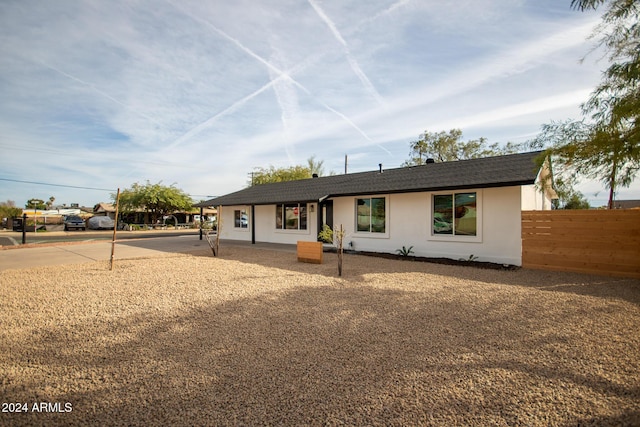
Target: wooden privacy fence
<point x="585" y="241"/>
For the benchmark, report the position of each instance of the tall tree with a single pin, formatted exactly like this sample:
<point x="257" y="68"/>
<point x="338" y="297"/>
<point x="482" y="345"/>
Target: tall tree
<point x="35" y="204"/>
<point x="315" y="167"/>
<point x="582" y="149"/>
<point x="156" y="199"/>
<point x="616" y="100"/>
<point x="292" y="173"/>
<point x="448" y="146"/>
<point x="576" y="201"/>
<point x="605" y="145"/>
<point x="8" y="209"/>
<point x="272" y="174"/>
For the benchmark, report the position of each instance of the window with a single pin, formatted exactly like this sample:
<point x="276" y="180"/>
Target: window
<point x="371" y="215"/>
<point x="455" y="214"/>
<point x="291" y="216"/>
<point x="240" y="219"/>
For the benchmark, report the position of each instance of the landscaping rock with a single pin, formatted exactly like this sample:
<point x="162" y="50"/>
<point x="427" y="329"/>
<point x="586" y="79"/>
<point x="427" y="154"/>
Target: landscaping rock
<point x="253" y="337"/>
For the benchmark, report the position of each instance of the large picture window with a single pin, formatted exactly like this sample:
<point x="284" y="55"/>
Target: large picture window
<point x="291" y="216"/>
<point x="455" y="214"/>
<point x="371" y="215"/>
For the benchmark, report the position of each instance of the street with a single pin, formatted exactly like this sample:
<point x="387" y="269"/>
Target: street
<point x="12" y="238"/>
<point x="145" y="244"/>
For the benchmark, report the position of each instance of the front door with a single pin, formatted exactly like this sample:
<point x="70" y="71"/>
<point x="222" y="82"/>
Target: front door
<point x="326" y="214"/>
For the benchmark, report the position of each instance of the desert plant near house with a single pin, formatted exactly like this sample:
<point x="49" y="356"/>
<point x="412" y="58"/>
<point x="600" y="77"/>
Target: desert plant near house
<point x="405" y="251"/>
<point x="326" y="235"/>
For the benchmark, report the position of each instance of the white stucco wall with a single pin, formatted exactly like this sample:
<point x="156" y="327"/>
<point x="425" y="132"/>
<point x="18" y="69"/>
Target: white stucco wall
<point x="265" y="225"/>
<point x="534" y="200"/>
<point x="227" y="228"/>
<point x="409" y="223"/>
<point x="409" y="219"/>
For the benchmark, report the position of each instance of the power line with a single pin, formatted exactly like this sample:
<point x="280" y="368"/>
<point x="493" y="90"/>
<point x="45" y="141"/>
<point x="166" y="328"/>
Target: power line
<point x="57" y="185"/>
<point x="79" y="187"/>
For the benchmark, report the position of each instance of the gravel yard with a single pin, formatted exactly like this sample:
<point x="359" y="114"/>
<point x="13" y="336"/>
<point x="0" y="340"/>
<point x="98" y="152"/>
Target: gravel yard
<point x="255" y="338"/>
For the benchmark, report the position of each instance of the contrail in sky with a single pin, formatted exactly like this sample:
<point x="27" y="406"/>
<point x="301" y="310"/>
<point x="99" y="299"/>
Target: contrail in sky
<point x="270" y="66"/>
<point x="380" y="14"/>
<point x="95" y="89"/>
<point x="226" y="111"/>
<point x="352" y="62"/>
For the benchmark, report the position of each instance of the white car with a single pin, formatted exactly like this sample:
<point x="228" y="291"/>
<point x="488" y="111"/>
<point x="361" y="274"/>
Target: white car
<point x="100" y="223"/>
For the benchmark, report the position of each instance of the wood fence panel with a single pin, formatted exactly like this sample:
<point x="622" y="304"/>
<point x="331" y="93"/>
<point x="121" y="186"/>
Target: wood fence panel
<point x="584" y="241"/>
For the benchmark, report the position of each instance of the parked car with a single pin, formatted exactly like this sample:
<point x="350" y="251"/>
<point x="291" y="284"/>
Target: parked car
<point x="72" y="222"/>
<point x="440" y="224"/>
<point x="100" y="223"/>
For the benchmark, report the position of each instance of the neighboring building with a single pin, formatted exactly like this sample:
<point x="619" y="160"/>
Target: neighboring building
<point x="626" y="204"/>
<point x="55" y="212"/>
<point x="451" y="209"/>
<point x="142" y="217"/>
<point x="105" y="209"/>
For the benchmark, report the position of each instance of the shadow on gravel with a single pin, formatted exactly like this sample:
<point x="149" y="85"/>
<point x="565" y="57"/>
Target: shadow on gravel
<point x="573" y="283"/>
<point x="178" y="243"/>
<point x="341" y="354"/>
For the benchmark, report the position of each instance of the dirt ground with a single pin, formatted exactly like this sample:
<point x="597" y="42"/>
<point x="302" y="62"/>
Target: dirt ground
<point x="255" y="338"/>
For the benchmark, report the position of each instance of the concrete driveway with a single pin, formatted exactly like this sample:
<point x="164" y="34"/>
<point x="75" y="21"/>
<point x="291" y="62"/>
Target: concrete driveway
<point x="74" y="253"/>
<point x="80" y="252"/>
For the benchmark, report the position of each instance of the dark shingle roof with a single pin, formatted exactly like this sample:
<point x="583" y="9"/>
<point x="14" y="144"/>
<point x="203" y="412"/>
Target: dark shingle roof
<point x="500" y="171"/>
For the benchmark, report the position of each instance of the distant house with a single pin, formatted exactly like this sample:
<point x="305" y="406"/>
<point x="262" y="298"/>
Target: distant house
<point x="450" y="209"/>
<point x="626" y="204"/>
<point x="141" y="216"/>
<point x="106" y="209"/>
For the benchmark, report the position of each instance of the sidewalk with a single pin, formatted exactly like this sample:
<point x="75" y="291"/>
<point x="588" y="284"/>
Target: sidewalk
<point x="82" y="252"/>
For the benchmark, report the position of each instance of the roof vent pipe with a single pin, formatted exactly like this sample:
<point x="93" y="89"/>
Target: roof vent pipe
<point x="380" y="167"/>
<point x="430" y="160"/>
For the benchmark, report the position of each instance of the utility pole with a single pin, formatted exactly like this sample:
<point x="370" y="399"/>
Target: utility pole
<point x="115" y="228"/>
<point x="24" y="228"/>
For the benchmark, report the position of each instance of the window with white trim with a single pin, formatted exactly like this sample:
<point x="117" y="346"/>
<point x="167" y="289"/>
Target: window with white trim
<point x="455" y="214"/>
<point x="371" y="214"/>
<point x="291" y="216"/>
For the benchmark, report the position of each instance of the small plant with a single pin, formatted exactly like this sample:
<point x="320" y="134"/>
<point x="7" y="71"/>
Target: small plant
<point x="471" y="258"/>
<point x="327" y="235"/>
<point x="405" y="251"/>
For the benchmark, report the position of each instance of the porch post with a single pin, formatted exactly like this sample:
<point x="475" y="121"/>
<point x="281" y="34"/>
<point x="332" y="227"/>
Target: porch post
<point x="319" y="219"/>
<point x="201" y="219"/>
<point x="253" y="224"/>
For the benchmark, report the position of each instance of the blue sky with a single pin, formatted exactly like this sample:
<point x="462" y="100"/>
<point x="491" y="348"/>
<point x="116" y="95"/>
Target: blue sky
<point x="103" y="94"/>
